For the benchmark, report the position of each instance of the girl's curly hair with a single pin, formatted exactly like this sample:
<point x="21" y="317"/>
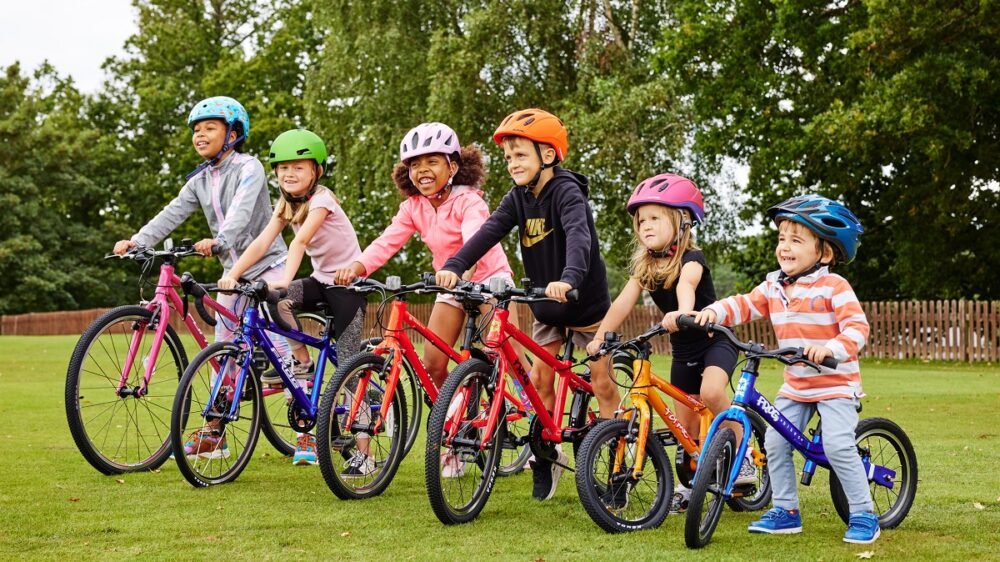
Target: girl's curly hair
<point x="471" y="172"/>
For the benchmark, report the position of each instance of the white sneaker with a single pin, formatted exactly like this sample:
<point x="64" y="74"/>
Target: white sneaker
<point x="748" y="471"/>
<point x="358" y="466"/>
<point x="682" y="497"/>
<point x="452" y="466"/>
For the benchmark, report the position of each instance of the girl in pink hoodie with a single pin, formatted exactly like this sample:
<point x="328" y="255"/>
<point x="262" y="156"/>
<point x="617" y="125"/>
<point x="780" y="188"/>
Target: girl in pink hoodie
<point x="440" y="181"/>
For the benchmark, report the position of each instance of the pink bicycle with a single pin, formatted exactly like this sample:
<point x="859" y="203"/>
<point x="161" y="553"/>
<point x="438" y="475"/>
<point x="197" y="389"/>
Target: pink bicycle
<point x="125" y="369"/>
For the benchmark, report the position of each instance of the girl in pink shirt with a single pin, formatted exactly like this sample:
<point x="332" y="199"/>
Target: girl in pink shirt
<point x="322" y="231"/>
<point x="440" y="181"/>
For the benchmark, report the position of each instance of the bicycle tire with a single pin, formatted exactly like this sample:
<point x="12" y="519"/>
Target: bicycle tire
<point x="594" y="472"/>
<point x="274" y="424"/>
<point x="706" y="502"/>
<point x="762" y="488"/>
<point x="212" y="465"/>
<point x="93" y="373"/>
<point x="515" y="450"/>
<point x="474" y="469"/>
<point x="332" y="438"/>
<point x="413" y="396"/>
<point x="891" y="506"/>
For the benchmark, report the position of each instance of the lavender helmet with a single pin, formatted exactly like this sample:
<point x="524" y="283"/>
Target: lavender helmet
<point x="669" y="190"/>
<point x="429" y="138"/>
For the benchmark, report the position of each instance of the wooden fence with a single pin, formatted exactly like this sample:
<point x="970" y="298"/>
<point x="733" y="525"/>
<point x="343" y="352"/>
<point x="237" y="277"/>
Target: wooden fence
<point x="935" y="330"/>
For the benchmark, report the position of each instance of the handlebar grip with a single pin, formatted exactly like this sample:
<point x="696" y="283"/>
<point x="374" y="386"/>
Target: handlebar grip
<point x="572" y="295"/>
<point x="199" y="305"/>
<point x="829" y="362"/>
<point x="688" y="322"/>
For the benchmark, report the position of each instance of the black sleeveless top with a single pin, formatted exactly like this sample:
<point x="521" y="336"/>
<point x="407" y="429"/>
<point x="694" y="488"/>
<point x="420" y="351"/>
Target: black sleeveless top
<point x="688" y="342"/>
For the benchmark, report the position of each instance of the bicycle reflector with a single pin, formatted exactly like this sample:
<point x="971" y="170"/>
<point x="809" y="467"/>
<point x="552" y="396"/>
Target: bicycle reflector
<point x="393" y="282"/>
<point x="498" y="284"/>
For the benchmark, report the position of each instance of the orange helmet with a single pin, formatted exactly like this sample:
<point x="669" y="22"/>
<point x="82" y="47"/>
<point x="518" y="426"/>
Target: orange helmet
<point x="537" y="125"/>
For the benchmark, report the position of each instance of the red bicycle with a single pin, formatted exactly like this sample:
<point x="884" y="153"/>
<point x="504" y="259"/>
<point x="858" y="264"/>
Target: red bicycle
<point x="467" y="421"/>
<point x="372" y="409"/>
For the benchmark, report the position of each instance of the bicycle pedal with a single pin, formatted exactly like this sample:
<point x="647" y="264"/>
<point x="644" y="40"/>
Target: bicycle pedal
<point x="342" y="442"/>
<point x="666" y="438"/>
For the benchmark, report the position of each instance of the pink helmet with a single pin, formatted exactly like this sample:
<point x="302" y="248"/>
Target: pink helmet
<point x="669" y="190"/>
<point x="429" y="138"/>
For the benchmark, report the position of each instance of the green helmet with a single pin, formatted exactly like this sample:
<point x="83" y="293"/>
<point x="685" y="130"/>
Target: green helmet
<point x="297" y="144"/>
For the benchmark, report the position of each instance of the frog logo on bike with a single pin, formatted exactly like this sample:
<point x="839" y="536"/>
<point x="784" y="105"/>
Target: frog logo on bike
<point x="767" y="408"/>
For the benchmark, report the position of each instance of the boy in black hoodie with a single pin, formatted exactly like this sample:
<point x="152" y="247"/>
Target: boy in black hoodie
<point x="559" y="246"/>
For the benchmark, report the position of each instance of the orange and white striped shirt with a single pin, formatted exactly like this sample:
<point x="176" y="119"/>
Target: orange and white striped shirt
<point x="818" y="309"/>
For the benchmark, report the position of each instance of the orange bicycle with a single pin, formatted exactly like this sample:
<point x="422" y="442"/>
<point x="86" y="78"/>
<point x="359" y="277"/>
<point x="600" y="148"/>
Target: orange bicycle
<point x="623" y="473"/>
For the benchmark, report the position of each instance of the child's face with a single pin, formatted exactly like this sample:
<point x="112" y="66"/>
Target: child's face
<point x="655" y="227"/>
<point x="798" y="248"/>
<point x="431" y="172"/>
<point x="522" y="160"/>
<point x="296" y="177"/>
<point x="209" y="137"/>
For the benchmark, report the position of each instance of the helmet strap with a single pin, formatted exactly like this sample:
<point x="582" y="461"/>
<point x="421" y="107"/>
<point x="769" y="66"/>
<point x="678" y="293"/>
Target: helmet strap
<point x="555" y="161"/>
<point x="446" y="188"/>
<point x="671" y="249"/>
<point x="786" y="280"/>
<point x="305" y="196"/>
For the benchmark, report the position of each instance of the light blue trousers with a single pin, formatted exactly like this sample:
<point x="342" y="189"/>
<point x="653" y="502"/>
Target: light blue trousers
<point x="839" y="421"/>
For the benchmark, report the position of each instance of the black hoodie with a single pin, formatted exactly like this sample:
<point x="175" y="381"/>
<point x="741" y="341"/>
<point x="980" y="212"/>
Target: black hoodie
<point x="558" y="243"/>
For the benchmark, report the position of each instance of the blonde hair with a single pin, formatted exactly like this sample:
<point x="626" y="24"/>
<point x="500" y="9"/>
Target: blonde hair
<point x="654" y="273"/>
<point x="296" y="213"/>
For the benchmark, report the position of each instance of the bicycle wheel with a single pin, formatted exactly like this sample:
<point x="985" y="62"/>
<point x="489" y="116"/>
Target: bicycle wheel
<point x="212" y="451"/>
<point x="758" y="495"/>
<point x="460" y="472"/>
<point x="883" y="443"/>
<point x="371" y="445"/>
<point x="129" y="433"/>
<point x="274" y="424"/>
<point x="705" y="505"/>
<point x="412" y="395"/>
<point x="514" y="447"/>
<point x="616" y="500"/>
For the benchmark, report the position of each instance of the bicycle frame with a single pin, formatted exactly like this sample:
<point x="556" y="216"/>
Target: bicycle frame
<point x="642" y="399"/>
<point x="498" y="338"/>
<point x="164" y="299"/>
<point x="746" y="396"/>
<point x="253" y="335"/>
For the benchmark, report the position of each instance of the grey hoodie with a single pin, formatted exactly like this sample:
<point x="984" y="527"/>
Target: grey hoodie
<point x="234" y="197"/>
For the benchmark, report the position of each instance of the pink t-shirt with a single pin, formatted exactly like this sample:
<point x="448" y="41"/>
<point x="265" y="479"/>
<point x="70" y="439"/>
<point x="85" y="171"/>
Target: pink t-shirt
<point x="444" y="230"/>
<point x="335" y="244"/>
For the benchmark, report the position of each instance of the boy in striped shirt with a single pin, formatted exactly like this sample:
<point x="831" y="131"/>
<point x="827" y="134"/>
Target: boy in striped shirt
<point x="812" y="308"/>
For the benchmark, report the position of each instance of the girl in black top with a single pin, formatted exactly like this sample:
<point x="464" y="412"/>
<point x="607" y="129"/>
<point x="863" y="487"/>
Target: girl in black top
<point x="673" y="270"/>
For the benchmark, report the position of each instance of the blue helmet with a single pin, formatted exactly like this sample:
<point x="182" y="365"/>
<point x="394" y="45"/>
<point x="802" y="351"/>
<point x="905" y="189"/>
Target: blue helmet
<point x="221" y="107"/>
<point x="828" y="219"/>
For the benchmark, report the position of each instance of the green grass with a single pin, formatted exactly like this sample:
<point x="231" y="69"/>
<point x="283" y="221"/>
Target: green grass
<point x="54" y="505"/>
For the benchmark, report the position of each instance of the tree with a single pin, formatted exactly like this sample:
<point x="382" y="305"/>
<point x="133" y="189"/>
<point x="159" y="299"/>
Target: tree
<point x="891" y="107"/>
<point x="54" y="228"/>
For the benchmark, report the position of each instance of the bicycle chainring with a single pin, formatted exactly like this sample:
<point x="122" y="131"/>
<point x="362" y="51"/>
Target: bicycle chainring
<point x="541" y="448"/>
<point x="299" y="422"/>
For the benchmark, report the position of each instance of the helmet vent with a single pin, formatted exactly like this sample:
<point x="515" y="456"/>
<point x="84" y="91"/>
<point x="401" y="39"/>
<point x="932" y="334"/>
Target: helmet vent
<point x="414" y="140"/>
<point x="662" y="183"/>
<point x="834" y="222"/>
<point x="427" y="141"/>
<point x="447" y="142"/>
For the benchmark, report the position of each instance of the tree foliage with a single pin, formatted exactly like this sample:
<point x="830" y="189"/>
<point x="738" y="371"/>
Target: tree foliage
<point x="891" y="107"/>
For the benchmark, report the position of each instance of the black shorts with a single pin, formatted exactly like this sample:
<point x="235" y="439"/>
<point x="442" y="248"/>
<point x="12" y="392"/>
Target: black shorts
<point x="342" y="305"/>
<point x="686" y="370"/>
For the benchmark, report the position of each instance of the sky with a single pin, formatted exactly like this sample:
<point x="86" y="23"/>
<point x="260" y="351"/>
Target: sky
<point x="75" y="36"/>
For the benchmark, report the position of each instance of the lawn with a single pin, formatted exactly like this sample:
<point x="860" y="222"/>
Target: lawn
<point x="53" y="505"/>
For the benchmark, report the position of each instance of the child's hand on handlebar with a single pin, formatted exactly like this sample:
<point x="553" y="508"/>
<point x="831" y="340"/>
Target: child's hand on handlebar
<point x="275" y="285"/>
<point x="345" y="275"/>
<point x="123" y="246"/>
<point x="705" y="316"/>
<point x="447" y="279"/>
<point x="594" y="347"/>
<point x="227" y="283"/>
<point x="204" y="247"/>
<point x="669" y="321"/>
<point x="817" y="353"/>
<point x="557" y="290"/>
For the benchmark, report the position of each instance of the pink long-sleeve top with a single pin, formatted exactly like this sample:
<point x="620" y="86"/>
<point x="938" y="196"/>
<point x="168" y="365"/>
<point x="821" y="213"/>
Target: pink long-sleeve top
<point x="444" y="230"/>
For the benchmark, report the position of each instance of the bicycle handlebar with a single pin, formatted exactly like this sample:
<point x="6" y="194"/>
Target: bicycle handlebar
<point x="786" y="355"/>
<point x="612" y="342"/>
<point x="142" y="253"/>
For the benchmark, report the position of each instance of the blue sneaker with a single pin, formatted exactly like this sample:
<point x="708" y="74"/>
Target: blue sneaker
<point x="862" y="528"/>
<point x="778" y="521"/>
<point x="305" y="450"/>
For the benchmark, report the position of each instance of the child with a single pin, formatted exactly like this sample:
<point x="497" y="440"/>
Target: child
<point x="231" y="189"/>
<point x="440" y="181"/>
<point x="323" y="231"/>
<point x="548" y="205"/>
<point x="666" y="263"/>
<point x="811" y="307"/>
